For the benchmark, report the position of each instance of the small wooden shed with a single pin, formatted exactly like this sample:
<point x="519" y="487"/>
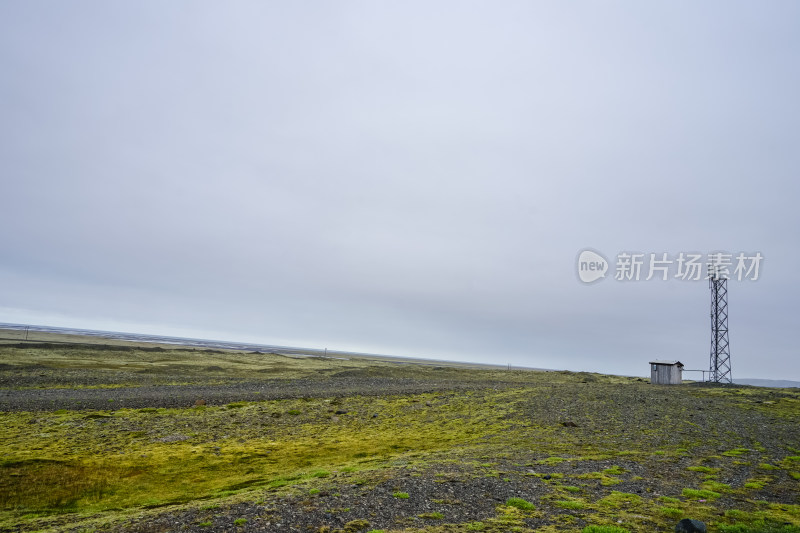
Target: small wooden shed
<point x="666" y="372"/>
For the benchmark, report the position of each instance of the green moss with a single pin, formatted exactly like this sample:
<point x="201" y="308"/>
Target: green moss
<point x="603" y="529"/>
<point x="110" y="463"/>
<point x="554" y="460"/>
<point x="400" y="495"/>
<point x="759" y="528"/>
<point x="605" y="479"/>
<point x="520" y="503"/>
<point x="716" y="486"/>
<point x="168" y="466"/>
<point x="570" y="504"/>
<point x="620" y="499"/>
<point x="354" y="526"/>
<point x="736" y="452"/>
<point x="700" y="494"/>
<point x="704" y="469"/>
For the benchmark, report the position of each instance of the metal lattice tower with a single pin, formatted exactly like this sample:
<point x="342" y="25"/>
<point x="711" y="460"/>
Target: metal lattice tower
<point x="720" y="367"/>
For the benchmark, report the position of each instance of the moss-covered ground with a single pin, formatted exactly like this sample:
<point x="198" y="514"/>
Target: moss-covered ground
<point x="508" y="451"/>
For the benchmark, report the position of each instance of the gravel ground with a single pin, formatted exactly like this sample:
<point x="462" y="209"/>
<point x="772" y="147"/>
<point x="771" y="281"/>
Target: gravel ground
<point x="35" y="399"/>
<point x="459" y="488"/>
<point x="360" y="507"/>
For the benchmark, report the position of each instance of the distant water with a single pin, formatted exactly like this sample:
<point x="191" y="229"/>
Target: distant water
<point x="777" y="383"/>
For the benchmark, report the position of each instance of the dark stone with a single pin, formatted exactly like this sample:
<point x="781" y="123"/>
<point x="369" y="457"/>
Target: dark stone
<point x="341" y="412"/>
<point x="375" y="415"/>
<point x="689" y="525"/>
<point x="547" y="476"/>
<point x="569" y="424"/>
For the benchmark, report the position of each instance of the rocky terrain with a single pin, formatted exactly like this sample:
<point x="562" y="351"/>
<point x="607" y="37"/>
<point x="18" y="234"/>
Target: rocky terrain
<point x="154" y="439"/>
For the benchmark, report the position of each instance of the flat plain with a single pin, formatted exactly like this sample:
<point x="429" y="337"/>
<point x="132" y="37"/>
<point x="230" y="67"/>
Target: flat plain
<point x="142" y="438"/>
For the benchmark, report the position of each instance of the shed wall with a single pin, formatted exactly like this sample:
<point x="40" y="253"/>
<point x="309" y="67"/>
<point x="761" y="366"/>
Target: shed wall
<point x="665" y="374"/>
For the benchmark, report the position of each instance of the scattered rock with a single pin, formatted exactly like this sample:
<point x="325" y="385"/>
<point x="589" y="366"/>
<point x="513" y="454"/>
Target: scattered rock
<point x="689" y="525"/>
<point x="569" y="424"/>
<point x="200" y="402"/>
<point x="334" y="419"/>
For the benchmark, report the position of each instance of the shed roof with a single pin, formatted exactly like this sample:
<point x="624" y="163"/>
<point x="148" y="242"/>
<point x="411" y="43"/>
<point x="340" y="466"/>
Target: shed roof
<point x="666" y="363"/>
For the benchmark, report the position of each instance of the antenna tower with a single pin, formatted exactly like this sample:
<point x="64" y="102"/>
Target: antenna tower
<point x="720" y="367"/>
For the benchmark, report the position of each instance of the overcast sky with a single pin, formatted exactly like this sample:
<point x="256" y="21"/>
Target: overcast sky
<point x="413" y="178"/>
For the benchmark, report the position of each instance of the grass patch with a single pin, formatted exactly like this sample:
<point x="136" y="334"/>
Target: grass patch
<point x="716" y="486"/>
<point x="704" y="469"/>
<point x="604" y="478"/>
<point x="736" y="452"/>
<point x="620" y="499"/>
<point x="520" y="503"/>
<point x="551" y="461"/>
<point x="570" y="504"/>
<point x="757" y="483"/>
<point x="604" y="529"/>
